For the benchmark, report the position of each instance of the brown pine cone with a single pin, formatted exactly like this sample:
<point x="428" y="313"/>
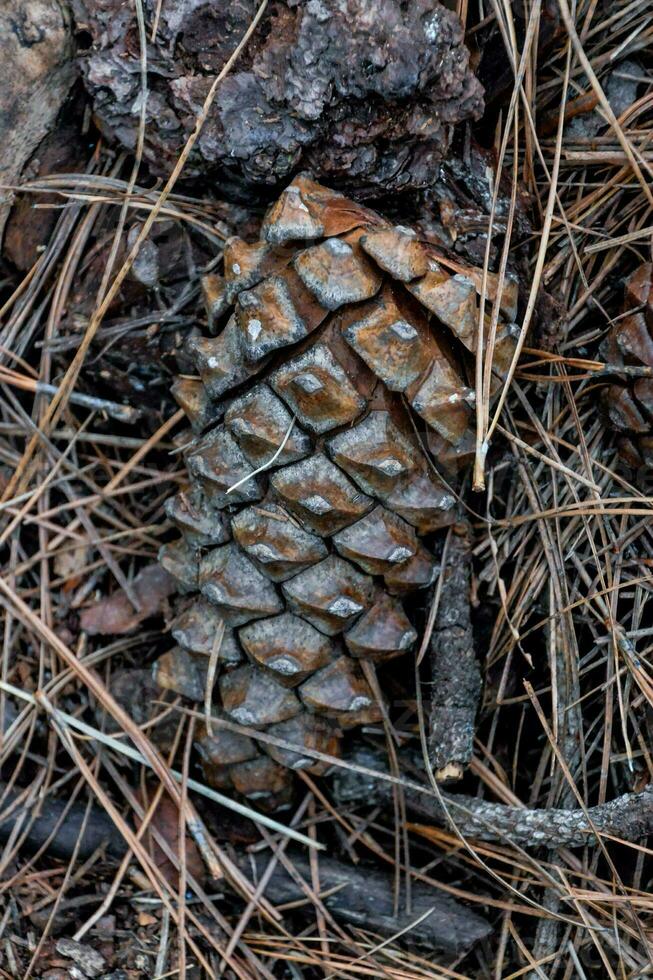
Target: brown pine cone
<point x="337" y="339"/>
<point x="629" y="403"/>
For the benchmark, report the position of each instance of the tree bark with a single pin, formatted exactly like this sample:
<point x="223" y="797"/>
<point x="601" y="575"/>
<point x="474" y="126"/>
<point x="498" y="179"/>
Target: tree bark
<point x="36" y="51"/>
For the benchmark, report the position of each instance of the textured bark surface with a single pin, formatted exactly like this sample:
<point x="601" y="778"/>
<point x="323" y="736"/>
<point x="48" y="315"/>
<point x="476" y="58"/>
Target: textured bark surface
<point x="37" y="68"/>
<point x="365" y="92"/>
<point x="629" y="817"/>
<point x="63" y="150"/>
<point x="365" y="899"/>
<point x="455" y="674"/>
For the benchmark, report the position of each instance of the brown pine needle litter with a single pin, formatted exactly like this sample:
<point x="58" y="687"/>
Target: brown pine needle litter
<point x="562" y="574"/>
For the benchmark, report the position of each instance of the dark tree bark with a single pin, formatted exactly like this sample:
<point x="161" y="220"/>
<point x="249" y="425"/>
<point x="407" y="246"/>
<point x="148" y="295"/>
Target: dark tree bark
<point x="60" y="826"/>
<point x="37" y="72"/>
<point x="364" y="93"/>
<point x="365" y="900"/>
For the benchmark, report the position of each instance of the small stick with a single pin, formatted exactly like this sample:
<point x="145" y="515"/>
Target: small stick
<point x="626" y="818"/>
<point x="455" y="674"/>
<point x="59" y="826"/>
<point x="122" y="413"/>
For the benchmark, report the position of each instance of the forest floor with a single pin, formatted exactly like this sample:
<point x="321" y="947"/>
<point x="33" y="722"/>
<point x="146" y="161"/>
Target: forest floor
<point x="555" y="882"/>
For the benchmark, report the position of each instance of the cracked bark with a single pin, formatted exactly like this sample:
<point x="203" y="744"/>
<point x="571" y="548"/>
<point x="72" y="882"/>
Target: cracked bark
<point x="364" y="93"/>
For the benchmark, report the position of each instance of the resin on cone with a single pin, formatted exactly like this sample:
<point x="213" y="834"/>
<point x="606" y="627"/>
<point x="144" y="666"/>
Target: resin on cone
<point x="340" y="345"/>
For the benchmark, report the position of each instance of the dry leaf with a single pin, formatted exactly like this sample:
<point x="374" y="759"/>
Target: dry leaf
<point x="116" y="615"/>
<point x="166" y="822"/>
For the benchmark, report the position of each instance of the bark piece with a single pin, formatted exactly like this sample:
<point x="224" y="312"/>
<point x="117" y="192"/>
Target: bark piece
<point x="63" y="151"/>
<point x="628" y="817"/>
<point x="90" y="962"/>
<point x="363" y="898"/>
<point x="36" y="49"/>
<point x="62" y="826"/>
<point x="363" y="93"/>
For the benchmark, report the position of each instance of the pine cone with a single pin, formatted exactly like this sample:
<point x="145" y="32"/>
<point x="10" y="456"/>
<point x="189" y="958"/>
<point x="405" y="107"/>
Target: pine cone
<point x="629" y="403"/>
<point x="339" y="341"/>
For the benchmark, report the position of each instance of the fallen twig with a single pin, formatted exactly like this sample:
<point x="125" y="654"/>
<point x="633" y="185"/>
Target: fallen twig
<point x="59" y="825"/>
<point x="455" y="674"/>
<point x="628" y="817"/>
